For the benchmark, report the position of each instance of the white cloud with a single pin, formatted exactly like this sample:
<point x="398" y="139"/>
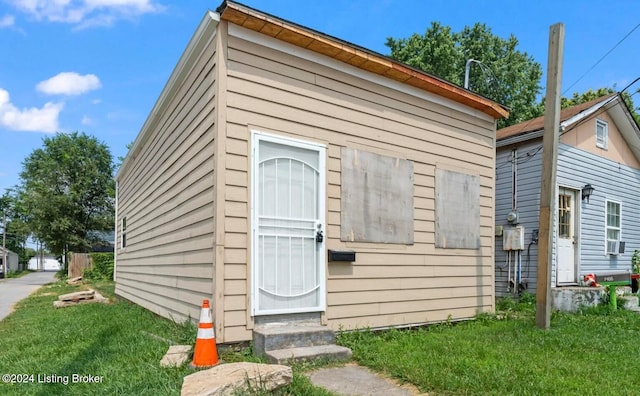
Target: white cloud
<point x="96" y="101"/>
<point x="32" y="119"/>
<point x="69" y="83"/>
<point x="86" y="120"/>
<point x="7" y="21"/>
<point x="86" y="13"/>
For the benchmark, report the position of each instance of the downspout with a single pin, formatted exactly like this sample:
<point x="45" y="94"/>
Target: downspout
<point x="514" y="205"/>
<point x="514" y="179"/>
<point x="115" y="236"/>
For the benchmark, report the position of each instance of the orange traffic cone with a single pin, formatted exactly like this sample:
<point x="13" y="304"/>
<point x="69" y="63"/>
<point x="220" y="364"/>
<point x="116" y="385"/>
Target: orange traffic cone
<point x="205" y="353"/>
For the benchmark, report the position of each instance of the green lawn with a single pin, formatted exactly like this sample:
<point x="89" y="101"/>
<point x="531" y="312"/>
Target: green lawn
<point x="120" y="344"/>
<point x="592" y="353"/>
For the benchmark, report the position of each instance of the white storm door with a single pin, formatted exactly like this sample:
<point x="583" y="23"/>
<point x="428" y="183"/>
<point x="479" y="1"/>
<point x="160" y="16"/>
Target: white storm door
<point x="566" y="241"/>
<point x="288" y="209"/>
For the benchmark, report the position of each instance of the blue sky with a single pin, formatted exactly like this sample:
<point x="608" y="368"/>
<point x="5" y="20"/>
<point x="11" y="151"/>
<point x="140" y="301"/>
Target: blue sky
<point x="99" y="65"/>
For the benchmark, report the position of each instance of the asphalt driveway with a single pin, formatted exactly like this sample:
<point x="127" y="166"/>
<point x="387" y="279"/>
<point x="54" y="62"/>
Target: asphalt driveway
<point x="13" y="290"/>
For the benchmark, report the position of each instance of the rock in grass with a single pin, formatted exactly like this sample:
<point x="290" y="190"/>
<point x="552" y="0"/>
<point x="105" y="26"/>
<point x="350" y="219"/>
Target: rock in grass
<point x="74" y="281"/>
<point x="77" y="296"/>
<point x="176" y="356"/>
<point x="226" y="379"/>
<point x="83" y="297"/>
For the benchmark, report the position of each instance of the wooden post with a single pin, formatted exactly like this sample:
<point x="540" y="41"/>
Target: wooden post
<point x="549" y="170"/>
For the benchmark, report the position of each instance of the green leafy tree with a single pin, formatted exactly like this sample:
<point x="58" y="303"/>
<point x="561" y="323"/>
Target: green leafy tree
<point x="589" y="95"/>
<point x="68" y="191"/>
<point x="120" y="159"/>
<point x="635" y="110"/>
<point x="504" y="74"/>
<point x="17" y="229"/>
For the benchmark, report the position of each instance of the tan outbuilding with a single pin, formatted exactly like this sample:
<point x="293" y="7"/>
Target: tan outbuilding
<point x="286" y="175"/>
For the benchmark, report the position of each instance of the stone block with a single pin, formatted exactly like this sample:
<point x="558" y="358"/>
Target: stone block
<point x="176" y="356"/>
<point x="225" y="379"/>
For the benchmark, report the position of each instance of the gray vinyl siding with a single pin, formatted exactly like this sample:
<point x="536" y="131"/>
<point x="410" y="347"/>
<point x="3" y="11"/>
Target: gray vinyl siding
<point x="576" y="167"/>
<point x="166" y="193"/>
<point x="529" y="170"/>
<point x="612" y="181"/>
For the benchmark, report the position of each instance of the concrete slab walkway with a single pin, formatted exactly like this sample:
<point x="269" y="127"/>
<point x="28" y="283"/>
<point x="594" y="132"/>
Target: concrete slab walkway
<point x="354" y="380"/>
<point x="13" y="290"/>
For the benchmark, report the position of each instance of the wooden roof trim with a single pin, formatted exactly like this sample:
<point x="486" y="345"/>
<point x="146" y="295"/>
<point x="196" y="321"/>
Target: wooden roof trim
<point x="355" y="56"/>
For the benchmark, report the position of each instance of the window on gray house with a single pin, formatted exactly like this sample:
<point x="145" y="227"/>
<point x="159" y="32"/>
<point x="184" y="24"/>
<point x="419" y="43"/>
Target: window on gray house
<point x="613" y="226"/>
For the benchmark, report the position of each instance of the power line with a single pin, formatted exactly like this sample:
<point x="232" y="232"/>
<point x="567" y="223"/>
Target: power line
<point x="592" y="67"/>
<point x="601" y="59"/>
<point x="534" y="151"/>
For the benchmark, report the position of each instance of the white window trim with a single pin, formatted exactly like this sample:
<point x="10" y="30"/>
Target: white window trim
<point x="606" y="226"/>
<point x="605" y="126"/>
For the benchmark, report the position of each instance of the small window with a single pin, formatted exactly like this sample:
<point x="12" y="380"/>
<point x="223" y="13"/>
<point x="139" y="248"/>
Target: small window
<point x="564" y="216"/>
<point x="613" y="227"/>
<point x="123" y="242"/>
<point x="602" y="134"/>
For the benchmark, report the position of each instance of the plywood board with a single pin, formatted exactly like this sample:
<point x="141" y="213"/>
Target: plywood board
<point x="376" y="198"/>
<point x="457" y="210"/>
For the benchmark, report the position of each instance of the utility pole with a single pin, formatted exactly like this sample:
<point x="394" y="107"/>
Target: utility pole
<point x="4" y="243"/>
<point x="549" y="171"/>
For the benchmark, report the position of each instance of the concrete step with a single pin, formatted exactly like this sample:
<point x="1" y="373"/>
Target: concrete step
<point x="628" y="302"/>
<point x="269" y="338"/>
<point x="290" y="355"/>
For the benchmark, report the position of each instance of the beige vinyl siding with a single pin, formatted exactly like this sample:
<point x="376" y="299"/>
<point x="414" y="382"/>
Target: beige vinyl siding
<point x="166" y="194"/>
<point x="388" y="285"/>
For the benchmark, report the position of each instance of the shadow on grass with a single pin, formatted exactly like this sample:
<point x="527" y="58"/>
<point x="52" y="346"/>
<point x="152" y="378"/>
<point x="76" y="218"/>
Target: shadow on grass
<point x="82" y="364"/>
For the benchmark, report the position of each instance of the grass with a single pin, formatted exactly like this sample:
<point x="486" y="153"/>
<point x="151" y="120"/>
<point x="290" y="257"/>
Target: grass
<point x="18" y="274"/>
<point x="120" y="342"/>
<point x="592" y="352"/>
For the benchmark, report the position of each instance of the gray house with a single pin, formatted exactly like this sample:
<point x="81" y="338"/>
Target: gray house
<point x="597" y="223"/>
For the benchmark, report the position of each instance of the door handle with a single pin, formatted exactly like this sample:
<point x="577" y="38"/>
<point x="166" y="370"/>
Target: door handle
<point x="319" y="236"/>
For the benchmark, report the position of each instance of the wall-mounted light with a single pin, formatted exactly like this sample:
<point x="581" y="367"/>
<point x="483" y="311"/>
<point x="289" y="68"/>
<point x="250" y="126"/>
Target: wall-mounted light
<point x="587" y="190"/>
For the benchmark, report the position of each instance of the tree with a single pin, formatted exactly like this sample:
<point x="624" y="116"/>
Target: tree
<point x="17" y="230"/>
<point x="120" y="159"/>
<point x="504" y="74"/>
<point x="68" y="191"/>
<point x="589" y="95"/>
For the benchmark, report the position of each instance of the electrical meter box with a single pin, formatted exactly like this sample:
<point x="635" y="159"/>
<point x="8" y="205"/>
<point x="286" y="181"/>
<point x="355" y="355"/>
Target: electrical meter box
<point x="513" y="238"/>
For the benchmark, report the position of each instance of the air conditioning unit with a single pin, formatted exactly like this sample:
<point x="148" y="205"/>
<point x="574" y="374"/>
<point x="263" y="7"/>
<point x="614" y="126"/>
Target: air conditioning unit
<point x="615" y="247"/>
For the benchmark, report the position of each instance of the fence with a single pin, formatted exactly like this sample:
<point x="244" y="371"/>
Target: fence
<point x="78" y="262"/>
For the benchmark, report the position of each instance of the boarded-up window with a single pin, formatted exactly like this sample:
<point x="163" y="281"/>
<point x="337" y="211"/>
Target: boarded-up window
<point x="457" y="210"/>
<point x="377" y="198"/>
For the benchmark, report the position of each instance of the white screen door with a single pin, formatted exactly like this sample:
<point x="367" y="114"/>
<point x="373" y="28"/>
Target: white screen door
<point x="288" y="208"/>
